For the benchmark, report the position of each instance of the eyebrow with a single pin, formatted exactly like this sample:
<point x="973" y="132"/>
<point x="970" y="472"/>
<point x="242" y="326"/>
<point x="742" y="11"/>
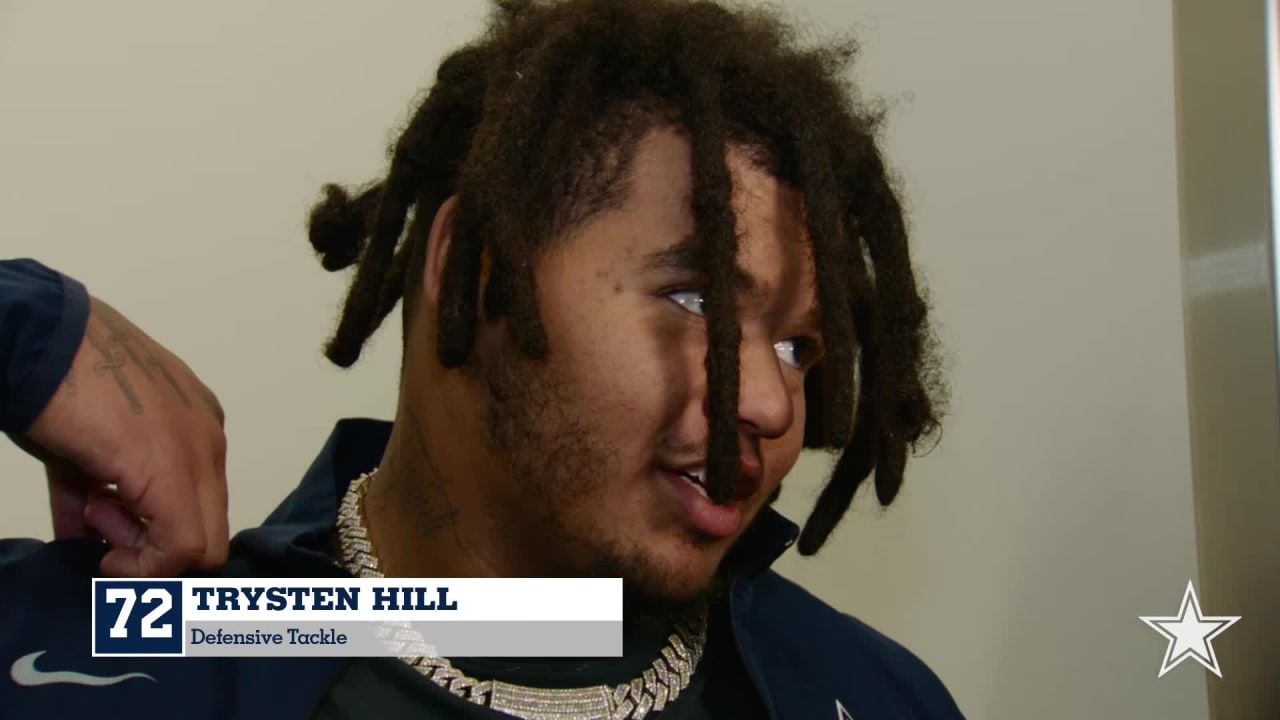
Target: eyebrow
<point x="683" y="256"/>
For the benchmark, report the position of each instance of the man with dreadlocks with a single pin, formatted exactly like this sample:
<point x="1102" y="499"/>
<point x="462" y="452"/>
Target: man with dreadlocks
<point x="648" y="251"/>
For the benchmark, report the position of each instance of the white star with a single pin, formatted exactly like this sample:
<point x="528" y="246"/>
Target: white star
<point x="841" y="713"/>
<point x="1190" y="634"/>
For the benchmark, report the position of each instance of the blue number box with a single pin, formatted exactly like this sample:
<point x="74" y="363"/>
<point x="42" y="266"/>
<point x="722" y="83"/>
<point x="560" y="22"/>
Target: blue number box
<point x="137" y="617"/>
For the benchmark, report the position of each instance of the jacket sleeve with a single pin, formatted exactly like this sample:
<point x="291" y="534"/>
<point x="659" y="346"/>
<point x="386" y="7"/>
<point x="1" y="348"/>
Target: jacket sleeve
<point x="43" y="315"/>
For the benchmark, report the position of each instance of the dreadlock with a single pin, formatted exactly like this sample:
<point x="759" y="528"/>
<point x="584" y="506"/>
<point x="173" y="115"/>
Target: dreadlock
<point x="562" y="91"/>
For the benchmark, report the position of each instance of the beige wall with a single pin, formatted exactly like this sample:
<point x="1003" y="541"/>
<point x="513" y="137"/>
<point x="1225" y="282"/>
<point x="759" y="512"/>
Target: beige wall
<point x="166" y="153"/>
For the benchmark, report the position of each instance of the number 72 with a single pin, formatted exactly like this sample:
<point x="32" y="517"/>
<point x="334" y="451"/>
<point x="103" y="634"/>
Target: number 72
<point x="129" y="597"/>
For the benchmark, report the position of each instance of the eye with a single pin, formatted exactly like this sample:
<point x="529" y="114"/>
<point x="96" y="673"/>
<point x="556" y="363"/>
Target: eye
<point x="690" y="300"/>
<point x="800" y="353"/>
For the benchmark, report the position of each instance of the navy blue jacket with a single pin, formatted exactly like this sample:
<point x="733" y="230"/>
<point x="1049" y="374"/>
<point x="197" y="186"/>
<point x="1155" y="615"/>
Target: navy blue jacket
<point x="803" y="655"/>
<point x="42" y="319"/>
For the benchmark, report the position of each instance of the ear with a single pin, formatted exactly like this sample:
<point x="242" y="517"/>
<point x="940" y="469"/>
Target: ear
<point x="438" y="242"/>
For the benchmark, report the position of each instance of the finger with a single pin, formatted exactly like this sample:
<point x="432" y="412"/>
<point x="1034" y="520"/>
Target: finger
<point x="121" y="562"/>
<point x="68" y="495"/>
<point x="175" y="525"/>
<point x="115" y="524"/>
<point x="147" y="561"/>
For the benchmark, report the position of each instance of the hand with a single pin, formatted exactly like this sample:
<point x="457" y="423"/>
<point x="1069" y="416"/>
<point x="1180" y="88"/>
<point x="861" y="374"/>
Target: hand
<point x="134" y="450"/>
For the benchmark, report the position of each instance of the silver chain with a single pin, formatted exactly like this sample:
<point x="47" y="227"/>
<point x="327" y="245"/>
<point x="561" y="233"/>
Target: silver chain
<point x="657" y="686"/>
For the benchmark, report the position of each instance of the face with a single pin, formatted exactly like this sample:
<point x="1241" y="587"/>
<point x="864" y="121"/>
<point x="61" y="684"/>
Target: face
<point x="604" y="439"/>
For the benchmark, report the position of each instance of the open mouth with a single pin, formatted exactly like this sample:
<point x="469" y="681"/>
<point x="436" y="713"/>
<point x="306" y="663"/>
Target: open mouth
<point x="715" y="520"/>
<point x="696" y="478"/>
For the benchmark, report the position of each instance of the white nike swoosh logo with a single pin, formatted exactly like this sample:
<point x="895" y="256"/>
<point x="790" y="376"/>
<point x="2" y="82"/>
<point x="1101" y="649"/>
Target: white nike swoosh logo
<point x="24" y="672"/>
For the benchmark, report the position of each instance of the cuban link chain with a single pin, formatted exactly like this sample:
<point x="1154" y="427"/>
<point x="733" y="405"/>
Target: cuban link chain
<point x="657" y="686"/>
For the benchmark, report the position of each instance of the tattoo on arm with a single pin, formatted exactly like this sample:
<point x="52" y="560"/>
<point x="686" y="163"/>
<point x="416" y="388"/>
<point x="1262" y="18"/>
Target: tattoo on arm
<point x="159" y="366"/>
<point x="113" y="362"/>
<point x="122" y="341"/>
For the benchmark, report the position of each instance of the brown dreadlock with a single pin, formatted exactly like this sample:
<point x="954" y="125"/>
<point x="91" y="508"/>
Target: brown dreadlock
<point x="561" y="92"/>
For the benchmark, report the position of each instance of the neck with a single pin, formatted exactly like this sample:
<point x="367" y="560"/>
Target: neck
<point x="427" y="515"/>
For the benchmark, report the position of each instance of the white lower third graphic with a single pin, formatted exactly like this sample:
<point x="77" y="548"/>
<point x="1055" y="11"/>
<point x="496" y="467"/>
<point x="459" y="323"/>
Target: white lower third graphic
<point x="24" y="672"/>
<point x="1190" y="634"/>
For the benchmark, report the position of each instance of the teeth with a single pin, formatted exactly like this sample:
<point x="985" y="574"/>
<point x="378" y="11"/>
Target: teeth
<point x="697" y="480"/>
<point x="700" y="488"/>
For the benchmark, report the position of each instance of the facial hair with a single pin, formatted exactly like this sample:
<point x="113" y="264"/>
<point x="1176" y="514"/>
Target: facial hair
<point x="542" y="428"/>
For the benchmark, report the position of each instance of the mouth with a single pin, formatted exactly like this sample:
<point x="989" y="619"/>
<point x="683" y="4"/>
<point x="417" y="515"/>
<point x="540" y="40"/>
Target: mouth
<point x="696" y="478"/>
<point x="715" y="520"/>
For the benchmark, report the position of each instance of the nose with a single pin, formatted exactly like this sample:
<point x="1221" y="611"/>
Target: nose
<point x="764" y="398"/>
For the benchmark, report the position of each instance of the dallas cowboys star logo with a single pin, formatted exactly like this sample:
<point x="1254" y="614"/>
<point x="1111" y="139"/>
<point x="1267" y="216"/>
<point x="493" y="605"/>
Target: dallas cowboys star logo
<point x="841" y="713"/>
<point x="1190" y="634"/>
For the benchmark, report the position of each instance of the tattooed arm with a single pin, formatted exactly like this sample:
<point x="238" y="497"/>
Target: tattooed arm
<point x="131" y="440"/>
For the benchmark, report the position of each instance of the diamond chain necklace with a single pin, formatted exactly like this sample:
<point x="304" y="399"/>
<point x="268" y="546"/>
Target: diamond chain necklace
<point x="657" y="686"/>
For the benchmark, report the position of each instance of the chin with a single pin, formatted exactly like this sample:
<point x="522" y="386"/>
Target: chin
<point x="645" y="599"/>
<point x="670" y="582"/>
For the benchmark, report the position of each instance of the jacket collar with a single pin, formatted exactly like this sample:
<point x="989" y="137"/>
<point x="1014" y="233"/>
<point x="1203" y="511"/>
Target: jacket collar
<point x="305" y="519"/>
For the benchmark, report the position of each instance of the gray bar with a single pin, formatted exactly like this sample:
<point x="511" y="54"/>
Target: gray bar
<point x="400" y="639"/>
